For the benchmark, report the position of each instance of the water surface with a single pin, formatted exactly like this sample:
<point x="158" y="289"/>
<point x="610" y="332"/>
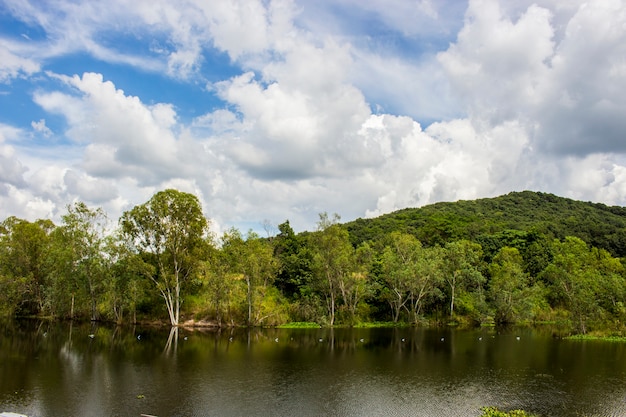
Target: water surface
<point x="51" y="369"/>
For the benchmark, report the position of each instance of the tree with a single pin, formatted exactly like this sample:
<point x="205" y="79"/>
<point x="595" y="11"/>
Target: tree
<point x="253" y="259"/>
<point x="218" y="285"/>
<point x="294" y="271"/>
<point x="124" y="284"/>
<point x="169" y="231"/>
<point x="355" y="285"/>
<point x="412" y="274"/>
<point x="586" y="281"/>
<point x="398" y="260"/>
<point x="24" y="248"/>
<point x="428" y="275"/>
<point x="83" y="232"/>
<point x="511" y="296"/>
<point x="333" y="259"/>
<point x="461" y="267"/>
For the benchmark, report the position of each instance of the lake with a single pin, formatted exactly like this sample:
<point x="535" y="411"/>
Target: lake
<point x="64" y="369"/>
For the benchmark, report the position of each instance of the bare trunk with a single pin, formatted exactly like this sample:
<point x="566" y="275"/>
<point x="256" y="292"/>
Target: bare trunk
<point x="452" y="300"/>
<point x="249" y="297"/>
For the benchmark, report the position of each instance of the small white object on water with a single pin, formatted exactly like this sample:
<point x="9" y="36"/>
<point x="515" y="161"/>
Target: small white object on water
<point x="276" y="340"/>
<point x="92" y="336"/>
<point x="403" y="339"/>
<point x="139" y="337"/>
<point x="442" y="339"/>
<point x="517" y="337"/>
<point x="321" y="340"/>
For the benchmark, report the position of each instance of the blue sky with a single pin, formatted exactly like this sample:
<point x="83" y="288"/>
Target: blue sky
<point x="279" y="110"/>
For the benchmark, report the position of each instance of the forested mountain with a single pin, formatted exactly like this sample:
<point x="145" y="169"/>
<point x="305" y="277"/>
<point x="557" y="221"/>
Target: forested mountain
<point x="524" y="257"/>
<point x="541" y="213"/>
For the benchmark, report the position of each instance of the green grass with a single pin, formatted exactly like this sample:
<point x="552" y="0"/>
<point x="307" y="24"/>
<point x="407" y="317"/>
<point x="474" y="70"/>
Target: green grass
<point x="381" y="324"/>
<point x="299" y="325"/>
<point x="582" y="337"/>
<point x="494" y="412"/>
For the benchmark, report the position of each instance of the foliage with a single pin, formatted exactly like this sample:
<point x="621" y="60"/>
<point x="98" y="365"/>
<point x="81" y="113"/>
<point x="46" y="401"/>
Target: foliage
<point x="520" y="258"/>
<point x="531" y="214"/>
<point x="169" y="233"/>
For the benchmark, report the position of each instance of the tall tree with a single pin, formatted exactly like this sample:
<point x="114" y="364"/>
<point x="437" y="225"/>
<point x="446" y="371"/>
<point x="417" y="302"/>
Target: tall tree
<point x="583" y="279"/>
<point x="253" y="259"/>
<point x="426" y="280"/>
<point x="170" y="231"/>
<point x="509" y="286"/>
<point x="84" y="230"/>
<point x="23" y="251"/>
<point x="462" y="259"/>
<point x="333" y="260"/>
<point x="294" y="258"/>
<point x="398" y="264"/>
<point x="412" y="274"/>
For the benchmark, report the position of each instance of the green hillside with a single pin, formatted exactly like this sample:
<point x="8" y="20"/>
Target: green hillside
<point x="541" y="213"/>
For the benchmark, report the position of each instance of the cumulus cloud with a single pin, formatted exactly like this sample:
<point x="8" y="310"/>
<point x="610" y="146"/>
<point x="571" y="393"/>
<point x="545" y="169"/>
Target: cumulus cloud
<point x="134" y="139"/>
<point x="11" y="168"/>
<point x="321" y="112"/>
<point x="567" y="92"/>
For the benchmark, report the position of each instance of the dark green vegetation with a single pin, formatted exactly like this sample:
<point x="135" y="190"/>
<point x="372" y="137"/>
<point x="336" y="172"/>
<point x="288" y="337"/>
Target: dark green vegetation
<point x="521" y="258"/>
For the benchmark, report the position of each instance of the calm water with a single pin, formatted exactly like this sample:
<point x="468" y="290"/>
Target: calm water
<point x="60" y="370"/>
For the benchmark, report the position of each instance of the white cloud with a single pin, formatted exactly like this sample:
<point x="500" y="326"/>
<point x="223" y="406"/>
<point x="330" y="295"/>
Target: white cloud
<point x="88" y="188"/>
<point x="41" y="127"/>
<point x="528" y="95"/>
<point x="12" y="64"/>
<point x="567" y="92"/>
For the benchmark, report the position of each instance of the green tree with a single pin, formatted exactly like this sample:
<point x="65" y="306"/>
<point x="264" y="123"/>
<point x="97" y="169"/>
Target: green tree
<point x="512" y="296"/>
<point x="428" y="276"/>
<point x="253" y="259"/>
<point x="219" y="286"/>
<point x="398" y="266"/>
<point x="76" y="263"/>
<point x="169" y="231"/>
<point x="412" y="274"/>
<point x="294" y="272"/>
<point x="333" y="261"/>
<point x="461" y="268"/>
<point x="585" y="281"/>
<point x="124" y="285"/>
<point x="84" y="230"/>
<point x="23" y="270"/>
<point x="355" y="286"/>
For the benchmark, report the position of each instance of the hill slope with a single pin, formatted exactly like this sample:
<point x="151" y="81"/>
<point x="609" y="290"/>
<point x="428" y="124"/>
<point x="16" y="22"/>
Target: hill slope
<point x="555" y="217"/>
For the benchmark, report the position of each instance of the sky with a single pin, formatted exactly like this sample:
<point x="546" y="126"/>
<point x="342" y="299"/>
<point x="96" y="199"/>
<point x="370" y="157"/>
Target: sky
<point x="274" y="110"/>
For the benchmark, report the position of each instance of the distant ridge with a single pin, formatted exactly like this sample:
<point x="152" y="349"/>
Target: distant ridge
<point x="597" y="224"/>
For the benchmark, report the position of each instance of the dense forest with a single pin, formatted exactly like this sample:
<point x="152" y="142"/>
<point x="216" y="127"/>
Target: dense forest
<point x="522" y="258"/>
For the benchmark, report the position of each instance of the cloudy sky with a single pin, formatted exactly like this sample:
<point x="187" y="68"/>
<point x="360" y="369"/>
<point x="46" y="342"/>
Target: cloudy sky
<point x="277" y="109"/>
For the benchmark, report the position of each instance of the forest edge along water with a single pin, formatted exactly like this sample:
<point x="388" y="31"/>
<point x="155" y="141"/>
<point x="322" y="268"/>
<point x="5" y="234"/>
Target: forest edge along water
<point x="67" y="369"/>
<point x="522" y="258"/>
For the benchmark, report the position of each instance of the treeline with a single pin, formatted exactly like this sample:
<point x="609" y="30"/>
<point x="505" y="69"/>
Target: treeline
<point x="160" y="262"/>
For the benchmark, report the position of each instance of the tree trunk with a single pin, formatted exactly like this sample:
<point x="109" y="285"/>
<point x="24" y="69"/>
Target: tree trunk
<point x="249" y="284"/>
<point x="452" y="287"/>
